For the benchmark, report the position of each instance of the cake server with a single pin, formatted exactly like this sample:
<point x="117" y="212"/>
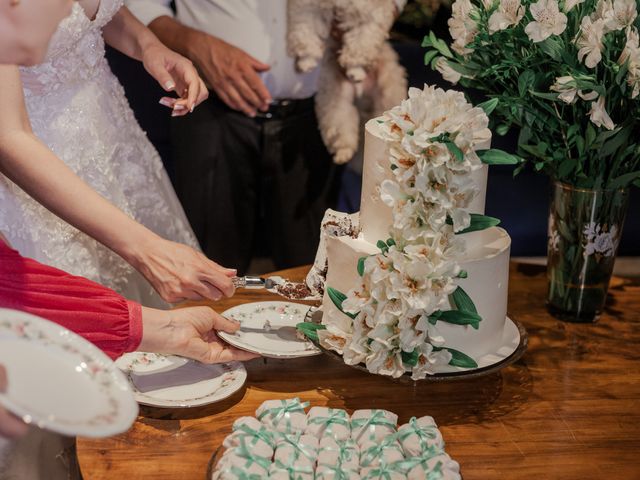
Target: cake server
<point x="254" y="282"/>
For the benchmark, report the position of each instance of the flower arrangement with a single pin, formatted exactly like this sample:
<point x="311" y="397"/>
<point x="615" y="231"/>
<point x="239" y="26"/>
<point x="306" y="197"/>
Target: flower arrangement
<point x="435" y="140"/>
<point x="566" y="73"/>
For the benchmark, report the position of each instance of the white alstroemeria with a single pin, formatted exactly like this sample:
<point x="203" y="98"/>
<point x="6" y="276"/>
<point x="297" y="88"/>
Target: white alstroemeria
<point x="488" y="4"/>
<point x="429" y="360"/>
<point x="356" y="350"/>
<point x="589" y="41"/>
<point x="570" y="4"/>
<point x="334" y="339"/>
<point x="631" y="54"/>
<point x="383" y="361"/>
<point x="508" y="14"/>
<point x="567" y="89"/>
<point x="599" y="116"/>
<point x="616" y="14"/>
<point x="448" y="73"/>
<point x="463" y="25"/>
<point x="547" y="20"/>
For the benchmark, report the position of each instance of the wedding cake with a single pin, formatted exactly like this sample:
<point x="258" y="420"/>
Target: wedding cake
<point x="417" y="283"/>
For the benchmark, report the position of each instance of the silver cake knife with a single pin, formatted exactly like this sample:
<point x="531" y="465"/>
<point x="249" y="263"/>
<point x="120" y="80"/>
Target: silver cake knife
<point x="253" y="282"/>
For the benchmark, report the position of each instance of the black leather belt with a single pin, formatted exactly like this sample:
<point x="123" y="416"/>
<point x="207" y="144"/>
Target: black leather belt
<point x="285" y="108"/>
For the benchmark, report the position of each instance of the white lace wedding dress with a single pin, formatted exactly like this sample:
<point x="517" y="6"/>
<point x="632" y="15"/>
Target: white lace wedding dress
<point x="78" y="109"/>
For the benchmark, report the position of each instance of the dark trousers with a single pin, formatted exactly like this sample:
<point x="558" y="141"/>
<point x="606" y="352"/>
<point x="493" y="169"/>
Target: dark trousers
<point x="254" y="185"/>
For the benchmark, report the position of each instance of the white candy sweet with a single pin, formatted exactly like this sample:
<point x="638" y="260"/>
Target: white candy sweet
<point x="438" y="467"/>
<point x="304" y="473"/>
<point x="388" y="451"/>
<point x="372" y="425"/>
<point x="332" y="422"/>
<point x="382" y="473"/>
<point x="338" y="454"/>
<point x="325" y="472"/>
<point x="240" y="459"/>
<point x="296" y="451"/>
<point x="420" y="435"/>
<point x="287" y="416"/>
<point x="256" y="436"/>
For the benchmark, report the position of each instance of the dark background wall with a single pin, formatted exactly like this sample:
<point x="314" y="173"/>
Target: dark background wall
<point x="521" y="202"/>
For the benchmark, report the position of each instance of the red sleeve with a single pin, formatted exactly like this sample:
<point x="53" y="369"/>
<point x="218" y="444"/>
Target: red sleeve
<point x="95" y="312"/>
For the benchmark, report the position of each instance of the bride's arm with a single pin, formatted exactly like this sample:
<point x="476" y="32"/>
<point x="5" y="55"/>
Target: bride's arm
<point x="174" y="72"/>
<point x="176" y="271"/>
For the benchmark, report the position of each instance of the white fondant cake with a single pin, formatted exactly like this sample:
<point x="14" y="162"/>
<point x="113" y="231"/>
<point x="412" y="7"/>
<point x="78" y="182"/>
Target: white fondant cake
<point x="383" y="302"/>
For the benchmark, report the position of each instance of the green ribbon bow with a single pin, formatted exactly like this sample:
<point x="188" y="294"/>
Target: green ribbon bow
<point x="299" y="447"/>
<point x="336" y="417"/>
<point x="262" y="434"/>
<point x="436" y="472"/>
<point x="284" y="411"/>
<point x="338" y="473"/>
<point x="292" y="469"/>
<point x="346" y="451"/>
<point x="423" y="433"/>
<point x="383" y="471"/>
<point x="241" y="474"/>
<point x="370" y="423"/>
<point x="370" y="454"/>
<point x="243" y="452"/>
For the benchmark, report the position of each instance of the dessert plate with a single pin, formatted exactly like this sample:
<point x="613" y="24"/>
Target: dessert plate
<point x="177" y="382"/>
<point x="269" y="329"/>
<point x="59" y="381"/>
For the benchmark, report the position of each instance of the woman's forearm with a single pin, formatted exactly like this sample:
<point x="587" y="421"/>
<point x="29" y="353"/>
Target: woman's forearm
<point x="128" y="35"/>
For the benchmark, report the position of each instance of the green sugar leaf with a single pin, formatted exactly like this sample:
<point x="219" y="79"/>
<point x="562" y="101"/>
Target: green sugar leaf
<point x="382" y="245"/>
<point x="338" y="298"/>
<point x="460" y="317"/>
<point x="462" y="301"/>
<point x="455" y="150"/>
<point x="391" y="242"/>
<point x="478" y="222"/>
<point x="463" y="274"/>
<point x="498" y="157"/>
<point x="458" y="359"/>
<point x="310" y="330"/>
<point x="410" y="358"/>
<point x="361" y="265"/>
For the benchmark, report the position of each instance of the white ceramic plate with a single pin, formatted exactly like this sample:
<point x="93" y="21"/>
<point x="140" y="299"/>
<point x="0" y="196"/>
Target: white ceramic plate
<point x="269" y="328"/>
<point x="60" y="381"/>
<point x="177" y="382"/>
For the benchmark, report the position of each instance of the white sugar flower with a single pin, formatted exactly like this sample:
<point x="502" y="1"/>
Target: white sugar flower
<point x="599" y="116"/>
<point x="548" y="20"/>
<point x="448" y="73"/>
<point x="589" y="41"/>
<point x="631" y="54"/>
<point x="570" y="4"/>
<point x="508" y="13"/>
<point x="616" y="14"/>
<point x="462" y="25"/>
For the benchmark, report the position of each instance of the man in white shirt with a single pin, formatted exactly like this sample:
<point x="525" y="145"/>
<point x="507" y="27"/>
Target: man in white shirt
<point x="251" y="168"/>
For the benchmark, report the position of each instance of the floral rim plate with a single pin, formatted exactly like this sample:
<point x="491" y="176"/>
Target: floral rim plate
<point x="269" y="328"/>
<point x="61" y="382"/>
<point x="515" y="342"/>
<point x="176" y="382"/>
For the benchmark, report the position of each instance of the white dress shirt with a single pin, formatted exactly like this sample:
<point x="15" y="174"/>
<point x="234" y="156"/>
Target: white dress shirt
<point x="259" y="27"/>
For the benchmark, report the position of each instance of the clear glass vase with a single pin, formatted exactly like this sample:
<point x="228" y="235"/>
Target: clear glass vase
<point x="584" y="232"/>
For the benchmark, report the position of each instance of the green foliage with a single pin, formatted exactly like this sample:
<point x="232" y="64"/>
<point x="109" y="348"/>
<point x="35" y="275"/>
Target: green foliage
<point x="458" y="359"/>
<point x="478" y="222"/>
<point x="555" y="137"/>
<point x="338" y="298"/>
<point x="310" y="330"/>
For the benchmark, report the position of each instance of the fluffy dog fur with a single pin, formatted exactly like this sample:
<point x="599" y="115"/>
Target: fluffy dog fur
<point x="360" y="76"/>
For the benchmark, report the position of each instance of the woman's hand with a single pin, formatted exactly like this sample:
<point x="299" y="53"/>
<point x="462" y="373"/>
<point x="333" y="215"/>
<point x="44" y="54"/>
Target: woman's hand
<point x="190" y="332"/>
<point x="10" y="426"/>
<point x="178" y="272"/>
<point x="175" y="73"/>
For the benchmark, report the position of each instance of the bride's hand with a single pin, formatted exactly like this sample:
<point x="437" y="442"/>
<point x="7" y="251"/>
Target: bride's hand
<point x="175" y="73"/>
<point x="178" y="272"/>
<point x="10" y="426"/>
<point x="190" y="332"/>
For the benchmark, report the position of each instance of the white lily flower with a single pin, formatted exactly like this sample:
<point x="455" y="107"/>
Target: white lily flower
<point x="616" y="14"/>
<point x="599" y="116"/>
<point x="462" y="26"/>
<point x="508" y="14"/>
<point x="589" y="41"/>
<point x="548" y="20"/>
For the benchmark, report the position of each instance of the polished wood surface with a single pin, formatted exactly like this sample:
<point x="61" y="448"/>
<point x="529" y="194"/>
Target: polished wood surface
<point x="569" y="409"/>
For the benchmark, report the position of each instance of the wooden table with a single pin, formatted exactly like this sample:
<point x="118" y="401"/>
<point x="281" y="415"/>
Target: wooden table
<point x="569" y="409"/>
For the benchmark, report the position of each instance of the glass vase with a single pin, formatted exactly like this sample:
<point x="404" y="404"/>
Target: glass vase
<point x="584" y="232"/>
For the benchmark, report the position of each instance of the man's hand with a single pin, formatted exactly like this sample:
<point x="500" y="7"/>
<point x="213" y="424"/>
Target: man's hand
<point x="232" y="74"/>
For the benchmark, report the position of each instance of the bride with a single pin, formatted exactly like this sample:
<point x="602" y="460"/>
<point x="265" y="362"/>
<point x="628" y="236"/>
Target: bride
<point x="78" y="109"/>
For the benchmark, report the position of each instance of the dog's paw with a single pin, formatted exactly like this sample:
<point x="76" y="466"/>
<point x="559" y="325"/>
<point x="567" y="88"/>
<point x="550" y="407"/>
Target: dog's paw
<point x="306" y="64"/>
<point x="356" y="74"/>
<point x="343" y="155"/>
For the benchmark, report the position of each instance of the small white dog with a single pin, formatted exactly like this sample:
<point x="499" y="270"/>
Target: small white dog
<point x="359" y="71"/>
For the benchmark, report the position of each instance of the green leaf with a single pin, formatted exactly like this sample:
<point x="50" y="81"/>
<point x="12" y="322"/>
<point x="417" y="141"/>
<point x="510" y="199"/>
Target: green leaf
<point x="462" y="301"/>
<point x="338" y="298"/>
<point x="489" y="106"/>
<point x="478" y="222"/>
<point x="454" y="149"/>
<point x="310" y="329"/>
<point x="460" y="317"/>
<point x="463" y="274"/>
<point x="382" y="245"/>
<point x="361" y="265"/>
<point x="458" y="359"/>
<point x="430" y="55"/>
<point x="498" y="157"/>
<point x="410" y="358"/>
<point x="525" y="82"/>
<point x="502" y="129"/>
<point x="553" y="47"/>
<point x="391" y="242"/>
<point x="624" y="180"/>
